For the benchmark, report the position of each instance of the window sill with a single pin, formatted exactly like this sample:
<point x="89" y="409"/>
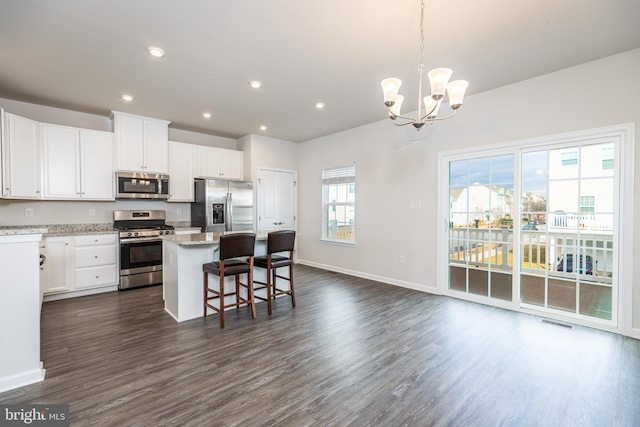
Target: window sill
<point x="339" y="242"/>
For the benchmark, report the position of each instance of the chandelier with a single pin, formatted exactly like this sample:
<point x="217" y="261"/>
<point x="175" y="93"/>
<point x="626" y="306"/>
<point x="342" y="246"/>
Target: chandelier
<point x="439" y="79"/>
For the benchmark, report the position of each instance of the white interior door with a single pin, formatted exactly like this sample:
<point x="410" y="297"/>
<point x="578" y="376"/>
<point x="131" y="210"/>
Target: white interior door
<point x="276" y="200"/>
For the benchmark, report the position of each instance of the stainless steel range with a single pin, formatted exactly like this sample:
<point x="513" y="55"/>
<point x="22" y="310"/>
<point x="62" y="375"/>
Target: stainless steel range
<point x="140" y="246"/>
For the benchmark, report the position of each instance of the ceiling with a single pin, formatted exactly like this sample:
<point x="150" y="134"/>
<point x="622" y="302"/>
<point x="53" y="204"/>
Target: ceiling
<point x="84" y="54"/>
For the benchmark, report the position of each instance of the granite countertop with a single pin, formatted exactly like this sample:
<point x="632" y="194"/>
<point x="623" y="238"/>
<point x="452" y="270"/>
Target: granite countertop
<point x="52" y="230"/>
<point x="203" y="238"/>
<point x="21" y="230"/>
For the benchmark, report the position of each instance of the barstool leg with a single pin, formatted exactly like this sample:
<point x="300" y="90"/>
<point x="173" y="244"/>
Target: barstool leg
<point x="269" y="289"/>
<point x="252" y="300"/>
<point x="221" y="284"/>
<point x="206" y="294"/>
<point x="293" y="294"/>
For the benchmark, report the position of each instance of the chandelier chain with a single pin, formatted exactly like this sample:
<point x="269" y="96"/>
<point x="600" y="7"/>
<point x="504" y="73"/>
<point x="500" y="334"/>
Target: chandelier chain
<point x="422" y="35"/>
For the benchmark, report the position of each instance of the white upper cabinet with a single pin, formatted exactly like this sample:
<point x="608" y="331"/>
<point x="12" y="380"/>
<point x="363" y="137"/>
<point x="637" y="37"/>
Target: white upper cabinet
<point x="61" y="155"/>
<point x="181" y="168"/>
<point x="142" y="143"/>
<point x="77" y="163"/>
<point x="96" y="165"/>
<point x="219" y="163"/>
<point x="22" y="175"/>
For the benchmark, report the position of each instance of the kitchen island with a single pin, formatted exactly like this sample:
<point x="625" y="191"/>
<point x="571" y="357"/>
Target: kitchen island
<point x="20" y="308"/>
<point x="183" y="256"/>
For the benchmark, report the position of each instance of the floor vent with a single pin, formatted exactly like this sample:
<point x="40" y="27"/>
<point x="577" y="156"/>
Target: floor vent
<point x="553" y="322"/>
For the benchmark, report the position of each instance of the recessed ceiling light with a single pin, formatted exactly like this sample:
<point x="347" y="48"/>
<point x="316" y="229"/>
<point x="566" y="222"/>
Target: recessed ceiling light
<point x="263" y="127"/>
<point x="206" y="115"/>
<point x="156" y="51"/>
<point x="127" y="98"/>
<point x="255" y="84"/>
<point x="319" y="105"/>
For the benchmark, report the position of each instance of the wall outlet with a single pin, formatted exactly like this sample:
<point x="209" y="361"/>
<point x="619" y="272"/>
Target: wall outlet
<point x="92" y="212"/>
<point x="401" y="259"/>
<point x="28" y="212"/>
<point x="415" y="204"/>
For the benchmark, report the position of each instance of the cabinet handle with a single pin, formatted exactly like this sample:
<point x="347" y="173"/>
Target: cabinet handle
<point x="66" y="244"/>
<point x="96" y="240"/>
<point x="37" y="191"/>
<point x="96" y="257"/>
<point x="97" y="277"/>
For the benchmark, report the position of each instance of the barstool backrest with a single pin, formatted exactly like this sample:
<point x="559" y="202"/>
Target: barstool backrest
<point x="280" y="241"/>
<point x="237" y="245"/>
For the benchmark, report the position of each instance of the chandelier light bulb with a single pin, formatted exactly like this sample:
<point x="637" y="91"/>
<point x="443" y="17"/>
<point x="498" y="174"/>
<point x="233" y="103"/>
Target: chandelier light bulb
<point x="255" y="84"/>
<point x="456" y="90"/>
<point x="439" y="77"/>
<point x="390" y="87"/>
<point x="394" y="110"/>
<point x="127" y="97"/>
<point x="431" y="107"/>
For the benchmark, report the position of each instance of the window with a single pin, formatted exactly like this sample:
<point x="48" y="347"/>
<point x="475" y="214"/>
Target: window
<point x="587" y="204"/>
<point x="607" y="158"/>
<point x="339" y="203"/>
<point x="569" y="158"/>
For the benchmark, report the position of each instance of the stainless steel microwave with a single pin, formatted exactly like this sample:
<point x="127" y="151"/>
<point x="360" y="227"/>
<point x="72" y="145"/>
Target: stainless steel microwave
<point x="140" y="185"/>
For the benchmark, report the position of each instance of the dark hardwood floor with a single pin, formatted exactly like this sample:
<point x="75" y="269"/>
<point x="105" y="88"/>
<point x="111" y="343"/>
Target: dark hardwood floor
<point x="352" y="353"/>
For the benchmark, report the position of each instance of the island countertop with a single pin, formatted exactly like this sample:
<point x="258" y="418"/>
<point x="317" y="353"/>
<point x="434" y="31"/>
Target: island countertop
<point x="203" y="238"/>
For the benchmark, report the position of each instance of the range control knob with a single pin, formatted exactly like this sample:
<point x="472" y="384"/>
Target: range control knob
<point x="129" y="234"/>
<point x="135" y="234"/>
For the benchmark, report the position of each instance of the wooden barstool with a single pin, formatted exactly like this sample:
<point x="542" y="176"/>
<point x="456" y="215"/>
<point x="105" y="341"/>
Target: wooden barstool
<point x="277" y="241"/>
<point x="236" y="258"/>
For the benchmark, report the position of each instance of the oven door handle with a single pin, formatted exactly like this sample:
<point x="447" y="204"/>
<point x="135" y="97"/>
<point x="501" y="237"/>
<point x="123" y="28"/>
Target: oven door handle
<point x="139" y="240"/>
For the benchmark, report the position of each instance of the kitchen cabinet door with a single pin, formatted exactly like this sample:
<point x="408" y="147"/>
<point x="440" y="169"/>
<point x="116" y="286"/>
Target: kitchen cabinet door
<point x="129" y="134"/>
<point x="219" y="163"/>
<point x="142" y="143"/>
<point x="61" y="162"/>
<point x="231" y="164"/>
<point x="181" y="168"/>
<point x="97" y="169"/>
<point x="209" y="162"/>
<point x="156" y="146"/>
<point x="58" y="266"/>
<point x="21" y="156"/>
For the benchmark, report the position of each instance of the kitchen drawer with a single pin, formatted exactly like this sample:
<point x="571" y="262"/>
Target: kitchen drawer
<point x="91" y="256"/>
<point x="96" y="276"/>
<point x="96" y="239"/>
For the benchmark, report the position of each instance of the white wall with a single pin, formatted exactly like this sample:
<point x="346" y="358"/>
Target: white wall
<point x="262" y="151"/>
<point x="397" y="165"/>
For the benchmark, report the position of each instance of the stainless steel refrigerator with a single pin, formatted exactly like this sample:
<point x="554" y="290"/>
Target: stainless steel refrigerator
<point x="222" y="205"/>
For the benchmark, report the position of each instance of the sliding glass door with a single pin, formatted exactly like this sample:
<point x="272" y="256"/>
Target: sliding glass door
<point x="567" y="199"/>
<point x="535" y="227"/>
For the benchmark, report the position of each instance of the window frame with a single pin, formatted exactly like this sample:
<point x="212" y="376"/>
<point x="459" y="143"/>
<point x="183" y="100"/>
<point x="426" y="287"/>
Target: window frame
<point x="333" y="176"/>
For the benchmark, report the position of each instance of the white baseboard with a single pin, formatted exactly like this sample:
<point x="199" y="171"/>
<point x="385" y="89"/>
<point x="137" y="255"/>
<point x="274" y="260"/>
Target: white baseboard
<point x="80" y="293"/>
<point x="382" y="279"/>
<point x="22" y="379"/>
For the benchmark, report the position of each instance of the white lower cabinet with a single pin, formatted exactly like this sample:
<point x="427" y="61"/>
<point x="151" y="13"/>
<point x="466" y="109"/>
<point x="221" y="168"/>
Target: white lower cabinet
<point x="56" y="270"/>
<point x="79" y="265"/>
<point x="96" y="259"/>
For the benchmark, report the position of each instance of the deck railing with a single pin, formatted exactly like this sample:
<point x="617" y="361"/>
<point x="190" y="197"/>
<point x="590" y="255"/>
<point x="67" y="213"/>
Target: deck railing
<point x="541" y="250"/>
